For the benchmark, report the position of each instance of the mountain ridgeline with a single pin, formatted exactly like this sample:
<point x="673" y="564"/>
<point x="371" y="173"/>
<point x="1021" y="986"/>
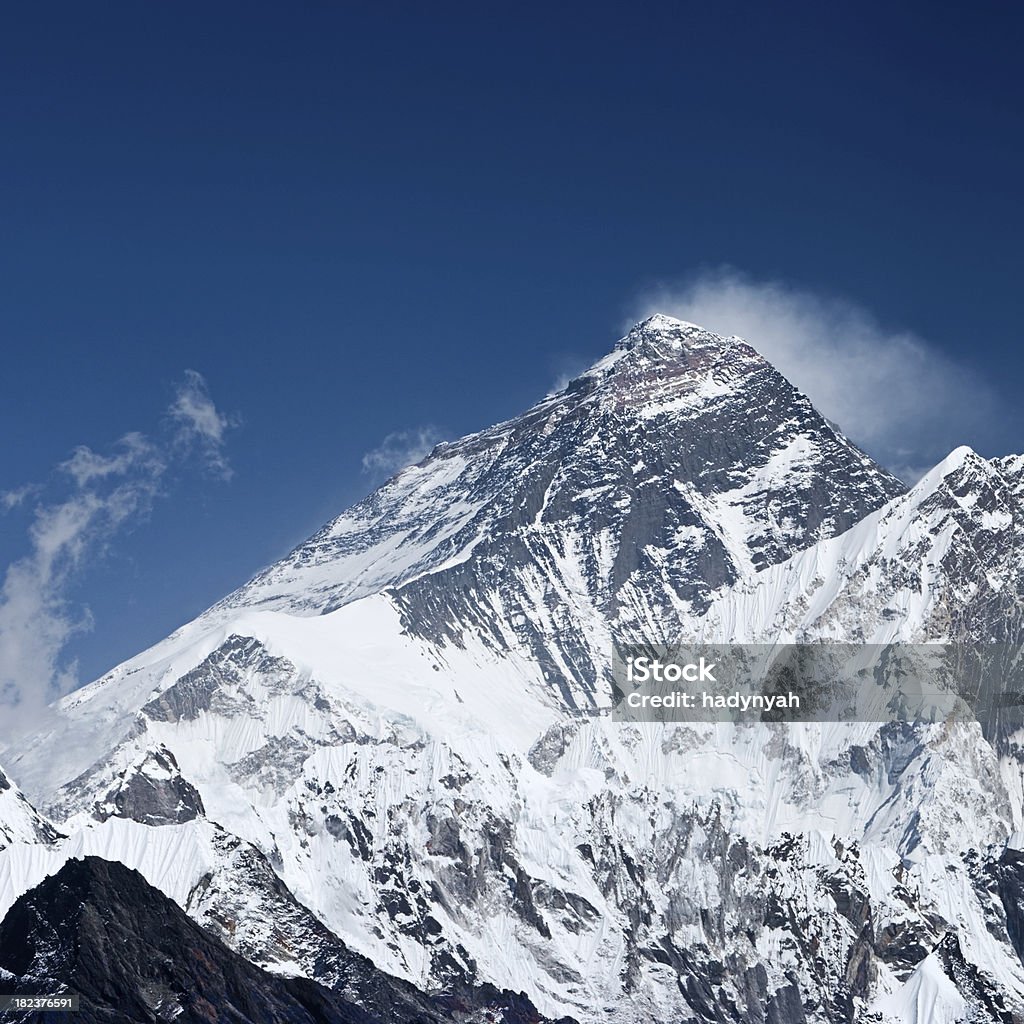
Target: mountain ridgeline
<point x="383" y="774"/>
<point x="666" y="472"/>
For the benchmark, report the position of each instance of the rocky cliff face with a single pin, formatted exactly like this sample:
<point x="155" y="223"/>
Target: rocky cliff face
<point x="397" y="738"/>
<point x="98" y="929"/>
<point x="674" y="466"/>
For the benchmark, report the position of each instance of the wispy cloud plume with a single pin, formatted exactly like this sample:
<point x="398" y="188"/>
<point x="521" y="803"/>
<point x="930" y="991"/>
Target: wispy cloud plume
<point x="91" y="496"/>
<point x="134" y="452"/>
<point x="200" y="423"/>
<point x="36" y="619"/>
<point x="567" y="367"/>
<point x="892" y="392"/>
<point x="18" y="496"/>
<point x="400" y="449"/>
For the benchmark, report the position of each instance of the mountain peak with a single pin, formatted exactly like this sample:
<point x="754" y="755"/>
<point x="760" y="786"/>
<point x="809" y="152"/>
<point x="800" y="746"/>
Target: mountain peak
<point x="963" y="459"/>
<point x="664" y="322"/>
<point x="957" y="457"/>
<point x="661" y="331"/>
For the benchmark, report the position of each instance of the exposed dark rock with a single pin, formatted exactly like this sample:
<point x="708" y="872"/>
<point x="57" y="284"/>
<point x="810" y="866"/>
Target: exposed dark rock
<point x="153" y="793"/>
<point x="100" y="930"/>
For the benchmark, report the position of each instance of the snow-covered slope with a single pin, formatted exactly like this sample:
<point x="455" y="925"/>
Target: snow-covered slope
<point x="406" y="720"/>
<point x="944" y="562"/>
<point x="673" y="467"/>
<point x="20" y="822"/>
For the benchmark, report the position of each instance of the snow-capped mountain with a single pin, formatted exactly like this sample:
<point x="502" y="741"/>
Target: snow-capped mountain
<point x="672" y="468"/>
<point x="398" y="735"/>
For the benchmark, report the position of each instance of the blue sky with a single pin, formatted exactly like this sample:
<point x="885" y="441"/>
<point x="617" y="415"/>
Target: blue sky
<point x="356" y="221"/>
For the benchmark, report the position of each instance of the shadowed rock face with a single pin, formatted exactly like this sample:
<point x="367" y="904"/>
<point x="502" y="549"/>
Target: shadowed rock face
<point x="658" y="481"/>
<point x="97" y="928"/>
<point x="1007" y="877"/>
<point x="153" y="793"/>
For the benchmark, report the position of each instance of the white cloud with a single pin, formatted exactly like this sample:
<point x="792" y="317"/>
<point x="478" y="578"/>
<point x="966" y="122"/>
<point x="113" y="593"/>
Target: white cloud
<point x="200" y="423"/>
<point x="890" y="391"/>
<point x="134" y="451"/>
<point x="94" y="494"/>
<point x="36" y="618"/>
<point x="18" y="496"/>
<point x="400" y="449"/>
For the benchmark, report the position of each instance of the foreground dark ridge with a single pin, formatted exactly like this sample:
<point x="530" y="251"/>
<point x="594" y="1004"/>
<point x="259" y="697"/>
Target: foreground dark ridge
<point x="99" y="929"/>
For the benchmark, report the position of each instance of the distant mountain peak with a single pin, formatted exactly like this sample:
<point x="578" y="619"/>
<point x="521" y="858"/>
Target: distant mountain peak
<point x="956" y="460"/>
